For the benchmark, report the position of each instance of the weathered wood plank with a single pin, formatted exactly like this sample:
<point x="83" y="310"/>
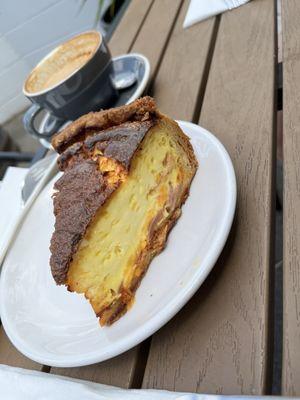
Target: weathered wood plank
<point x="182" y="72"/>
<point x="129" y="26"/>
<point x="219" y="342"/>
<point x="119" y="371"/>
<point x="291" y="210"/>
<point x="153" y="37"/>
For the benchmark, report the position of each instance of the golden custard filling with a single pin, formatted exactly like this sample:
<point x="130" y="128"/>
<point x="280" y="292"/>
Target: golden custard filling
<point x="109" y="256"/>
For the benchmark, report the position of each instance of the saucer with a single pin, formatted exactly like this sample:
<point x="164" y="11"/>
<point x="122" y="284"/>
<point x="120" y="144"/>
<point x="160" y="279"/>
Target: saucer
<point x="134" y="62"/>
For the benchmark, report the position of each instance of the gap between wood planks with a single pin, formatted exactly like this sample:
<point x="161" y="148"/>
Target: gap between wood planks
<point x="276" y="384"/>
<point x="271" y="310"/>
<point x="140" y="27"/>
<point x="203" y="82"/>
<point x="155" y="72"/>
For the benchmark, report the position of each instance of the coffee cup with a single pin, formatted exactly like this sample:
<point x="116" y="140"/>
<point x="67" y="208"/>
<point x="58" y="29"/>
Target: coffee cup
<point x="73" y="79"/>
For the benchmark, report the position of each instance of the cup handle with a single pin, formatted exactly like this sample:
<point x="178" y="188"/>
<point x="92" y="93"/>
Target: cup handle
<point x="28" y="121"/>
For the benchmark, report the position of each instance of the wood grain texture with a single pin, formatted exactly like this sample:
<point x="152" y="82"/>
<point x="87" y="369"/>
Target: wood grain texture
<point x="153" y="37"/>
<point x="182" y="71"/>
<point x="218" y="342"/>
<point x="291" y="210"/>
<point x="129" y="26"/>
<point x="119" y="371"/>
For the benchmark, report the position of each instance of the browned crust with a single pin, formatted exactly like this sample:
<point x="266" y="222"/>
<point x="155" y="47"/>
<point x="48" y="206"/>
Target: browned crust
<point x="118" y="143"/>
<point x="184" y="141"/>
<point x="84" y="187"/>
<point x="140" y="110"/>
<point x="80" y="192"/>
<point x="92" y="124"/>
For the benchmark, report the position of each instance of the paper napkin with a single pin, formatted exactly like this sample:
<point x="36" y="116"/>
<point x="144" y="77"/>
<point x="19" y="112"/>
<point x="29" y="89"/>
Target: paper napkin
<point x="202" y="9"/>
<point x="22" y="384"/>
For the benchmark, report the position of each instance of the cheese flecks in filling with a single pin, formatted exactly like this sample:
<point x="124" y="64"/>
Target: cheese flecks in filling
<point x="105" y="260"/>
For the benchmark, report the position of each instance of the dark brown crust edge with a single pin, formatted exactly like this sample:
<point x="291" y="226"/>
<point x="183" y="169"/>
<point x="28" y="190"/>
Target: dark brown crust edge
<point x="140" y="110"/>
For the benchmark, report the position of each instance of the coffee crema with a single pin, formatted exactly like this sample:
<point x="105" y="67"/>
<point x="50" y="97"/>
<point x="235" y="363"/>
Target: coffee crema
<point x="62" y="62"/>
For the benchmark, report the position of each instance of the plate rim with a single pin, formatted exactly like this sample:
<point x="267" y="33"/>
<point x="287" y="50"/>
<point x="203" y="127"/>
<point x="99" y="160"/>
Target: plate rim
<point x="169" y="310"/>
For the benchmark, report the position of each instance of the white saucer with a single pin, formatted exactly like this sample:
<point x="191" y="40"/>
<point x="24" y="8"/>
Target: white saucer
<point x="55" y="327"/>
<point x="134" y="62"/>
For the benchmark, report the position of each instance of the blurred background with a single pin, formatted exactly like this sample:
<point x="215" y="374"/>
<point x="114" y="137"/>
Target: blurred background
<point x="29" y="29"/>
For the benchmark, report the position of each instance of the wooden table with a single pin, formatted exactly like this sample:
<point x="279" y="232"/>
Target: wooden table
<point x="221" y="74"/>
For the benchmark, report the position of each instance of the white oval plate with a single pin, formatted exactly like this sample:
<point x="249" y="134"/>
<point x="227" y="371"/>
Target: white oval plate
<point x="55" y="327"/>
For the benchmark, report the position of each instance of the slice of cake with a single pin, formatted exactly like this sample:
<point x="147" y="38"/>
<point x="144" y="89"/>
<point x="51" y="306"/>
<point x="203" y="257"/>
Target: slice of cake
<point x="127" y="172"/>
